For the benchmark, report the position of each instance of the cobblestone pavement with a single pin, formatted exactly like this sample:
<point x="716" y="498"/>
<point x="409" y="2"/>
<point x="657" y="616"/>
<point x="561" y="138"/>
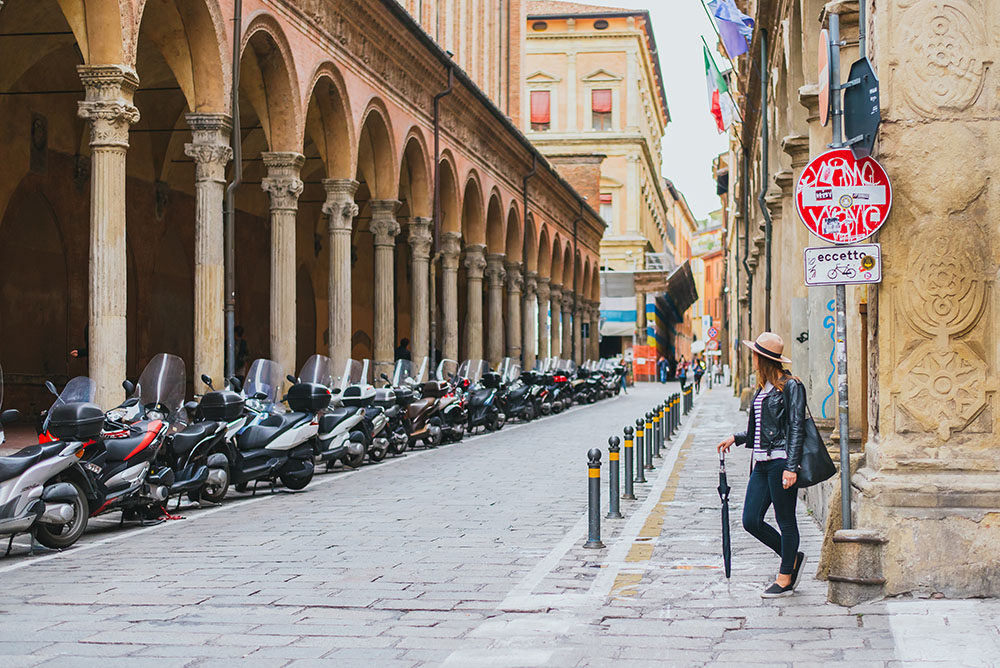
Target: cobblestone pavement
<point x="466" y="556"/>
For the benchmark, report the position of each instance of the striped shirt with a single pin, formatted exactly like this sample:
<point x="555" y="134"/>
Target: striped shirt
<point x="760" y="453"/>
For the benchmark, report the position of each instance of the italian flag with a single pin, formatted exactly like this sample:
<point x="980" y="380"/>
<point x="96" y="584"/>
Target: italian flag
<point x="720" y="102"/>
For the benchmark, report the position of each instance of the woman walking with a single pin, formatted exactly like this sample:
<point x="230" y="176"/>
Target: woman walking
<point x="775" y="432"/>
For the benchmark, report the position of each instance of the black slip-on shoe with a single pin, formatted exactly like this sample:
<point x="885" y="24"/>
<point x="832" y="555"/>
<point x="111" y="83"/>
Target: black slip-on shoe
<point x="800" y="560"/>
<point x="777" y="591"/>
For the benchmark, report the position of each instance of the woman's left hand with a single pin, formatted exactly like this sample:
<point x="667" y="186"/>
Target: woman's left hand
<point x="788" y="479"/>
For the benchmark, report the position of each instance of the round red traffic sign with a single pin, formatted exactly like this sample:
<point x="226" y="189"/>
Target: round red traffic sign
<point x="823" y="61"/>
<point x="842" y="199"/>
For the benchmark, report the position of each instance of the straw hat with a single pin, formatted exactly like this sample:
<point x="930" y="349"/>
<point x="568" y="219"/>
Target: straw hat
<point x="769" y="345"/>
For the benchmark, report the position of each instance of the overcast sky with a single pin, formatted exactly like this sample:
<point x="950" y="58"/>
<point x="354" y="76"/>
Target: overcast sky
<point x="691" y="140"/>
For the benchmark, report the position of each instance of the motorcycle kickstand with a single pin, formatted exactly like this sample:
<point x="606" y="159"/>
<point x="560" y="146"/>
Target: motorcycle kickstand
<point x="10" y="544"/>
<point x="254" y="492"/>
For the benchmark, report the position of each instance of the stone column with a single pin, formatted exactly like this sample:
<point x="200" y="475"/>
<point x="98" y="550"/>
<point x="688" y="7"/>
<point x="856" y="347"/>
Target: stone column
<point x="567" y="324"/>
<point x="514" y="283"/>
<point x="384" y="228"/>
<point x="108" y="107"/>
<point x="475" y="264"/>
<point x="451" y="249"/>
<point x="211" y="152"/>
<point x="420" y="240"/>
<point x="528" y="325"/>
<point x="595" y="330"/>
<point x="340" y="210"/>
<point x="494" y="285"/>
<point x="543" y="323"/>
<point x="578" y="332"/>
<point x="284" y="186"/>
<point x="555" y="305"/>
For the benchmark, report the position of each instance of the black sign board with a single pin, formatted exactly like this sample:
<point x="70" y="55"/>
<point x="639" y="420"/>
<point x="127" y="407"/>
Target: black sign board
<point x="861" y="108"/>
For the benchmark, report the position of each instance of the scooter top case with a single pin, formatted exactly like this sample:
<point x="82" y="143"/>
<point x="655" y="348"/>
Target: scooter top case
<point x="359" y="396"/>
<point x="435" y="389"/>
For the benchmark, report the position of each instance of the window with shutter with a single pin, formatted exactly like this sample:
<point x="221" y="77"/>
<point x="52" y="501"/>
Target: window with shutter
<point x="540" y="110"/>
<point x="600" y="107"/>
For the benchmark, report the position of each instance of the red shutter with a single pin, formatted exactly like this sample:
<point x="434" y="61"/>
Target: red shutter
<point x="605" y="198"/>
<point x="539" y="106"/>
<point x="600" y="100"/>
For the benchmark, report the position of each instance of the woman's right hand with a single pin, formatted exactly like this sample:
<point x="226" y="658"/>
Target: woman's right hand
<point x="726" y="444"/>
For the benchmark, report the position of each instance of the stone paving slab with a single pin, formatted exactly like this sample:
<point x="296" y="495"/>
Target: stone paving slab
<point x="468" y="555"/>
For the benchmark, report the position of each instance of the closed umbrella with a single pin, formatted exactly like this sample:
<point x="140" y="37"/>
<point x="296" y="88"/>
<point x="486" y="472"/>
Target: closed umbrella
<point x="724" y="490"/>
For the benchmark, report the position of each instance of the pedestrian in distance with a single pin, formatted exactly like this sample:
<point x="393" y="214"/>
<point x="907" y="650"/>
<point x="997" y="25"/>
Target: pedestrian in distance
<point x="682" y="372"/>
<point x="775" y="433"/>
<point x="661" y="369"/>
<point x="699" y="371"/>
<point x="403" y="350"/>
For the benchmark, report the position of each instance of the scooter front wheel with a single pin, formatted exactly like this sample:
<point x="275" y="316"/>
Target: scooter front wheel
<point x="61" y="536"/>
<point x="214" y="493"/>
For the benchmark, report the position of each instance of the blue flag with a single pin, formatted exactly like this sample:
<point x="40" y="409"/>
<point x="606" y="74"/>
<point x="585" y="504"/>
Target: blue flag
<point x="735" y="27"/>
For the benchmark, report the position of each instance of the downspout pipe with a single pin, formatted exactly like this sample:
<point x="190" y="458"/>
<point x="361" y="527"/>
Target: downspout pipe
<point x="437" y="215"/>
<point x="524" y="233"/>
<point x="764" y="178"/>
<point x="229" y="224"/>
<point x="745" y="196"/>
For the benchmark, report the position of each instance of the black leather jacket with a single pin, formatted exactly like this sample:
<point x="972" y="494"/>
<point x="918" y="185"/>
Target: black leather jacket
<point x="782" y="426"/>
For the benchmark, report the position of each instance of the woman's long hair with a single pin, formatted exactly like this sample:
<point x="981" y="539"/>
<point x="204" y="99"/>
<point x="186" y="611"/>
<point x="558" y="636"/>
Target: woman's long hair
<point x="771" y="371"/>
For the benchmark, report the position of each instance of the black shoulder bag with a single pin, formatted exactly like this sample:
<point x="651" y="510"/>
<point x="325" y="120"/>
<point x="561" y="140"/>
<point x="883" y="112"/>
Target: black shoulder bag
<point x="816" y="464"/>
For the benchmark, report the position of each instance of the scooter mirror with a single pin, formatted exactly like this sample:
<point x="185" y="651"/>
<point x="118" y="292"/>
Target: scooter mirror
<point x="235" y="385"/>
<point x="51" y="388"/>
<point x="191" y="406"/>
<point x="10" y="415"/>
<point x="291" y="379"/>
<point x="205" y="378"/>
<point x="128" y="386"/>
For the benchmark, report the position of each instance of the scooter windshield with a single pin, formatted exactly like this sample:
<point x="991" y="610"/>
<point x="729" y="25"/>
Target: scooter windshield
<point x="446" y="369"/>
<point x="79" y="389"/>
<point x="409" y="373"/>
<point x="355" y="372"/>
<point x="473" y="370"/>
<point x="160" y="389"/>
<point x="264" y="378"/>
<point x="509" y="369"/>
<point x="317" y="369"/>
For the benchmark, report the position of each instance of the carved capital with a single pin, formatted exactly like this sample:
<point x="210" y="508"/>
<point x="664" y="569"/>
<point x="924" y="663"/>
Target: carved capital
<point x="210" y="148"/>
<point x="797" y="148"/>
<point x="339" y="207"/>
<point x="494" y="270"/>
<point x="451" y="250"/>
<point x="567" y="301"/>
<point x="530" y="284"/>
<point x="555" y="296"/>
<point x="384" y="226"/>
<point x="514" y="278"/>
<point x="282" y="183"/>
<point x="108" y="104"/>
<point x="420" y="238"/>
<point x="784" y="180"/>
<point x="809" y="98"/>
<point x="542" y="289"/>
<point x="475" y="261"/>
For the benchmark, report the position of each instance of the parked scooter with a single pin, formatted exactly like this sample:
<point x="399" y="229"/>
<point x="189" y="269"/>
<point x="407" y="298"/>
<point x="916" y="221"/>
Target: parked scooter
<point x="41" y="488"/>
<point x="451" y="402"/>
<point x="517" y="399"/>
<point x="275" y="445"/>
<point x="396" y="398"/>
<point x="359" y="392"/>
<point x="340" y="436"/>
<point x="420" y="407"/>
<point x="482" y="391"/>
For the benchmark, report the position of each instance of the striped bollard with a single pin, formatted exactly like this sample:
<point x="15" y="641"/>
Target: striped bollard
<point x="647" y="456"/>
<point x="640" y="474"/>
<point x="629" y="491"/>
<point x="614" y="511"/>
<point x="594" y="500"/>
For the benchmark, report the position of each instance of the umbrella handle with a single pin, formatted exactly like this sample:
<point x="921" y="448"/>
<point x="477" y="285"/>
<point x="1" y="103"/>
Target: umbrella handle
<point x="722" y="462"/>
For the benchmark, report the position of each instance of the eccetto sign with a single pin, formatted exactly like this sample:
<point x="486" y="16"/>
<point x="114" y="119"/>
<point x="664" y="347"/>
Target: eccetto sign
<point x="842" y="265"/>
<point x="841" y="199"/>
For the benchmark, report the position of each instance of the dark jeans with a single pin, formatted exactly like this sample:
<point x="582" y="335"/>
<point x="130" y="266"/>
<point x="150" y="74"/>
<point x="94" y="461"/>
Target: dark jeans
<point x="763" y="490"/>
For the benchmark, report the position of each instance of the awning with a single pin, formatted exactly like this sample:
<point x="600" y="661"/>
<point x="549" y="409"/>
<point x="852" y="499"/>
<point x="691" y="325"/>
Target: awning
<point x="681" y="288"/>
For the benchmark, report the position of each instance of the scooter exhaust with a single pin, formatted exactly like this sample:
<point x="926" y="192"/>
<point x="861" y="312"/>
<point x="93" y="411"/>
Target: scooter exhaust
<point x="56" y="513"/>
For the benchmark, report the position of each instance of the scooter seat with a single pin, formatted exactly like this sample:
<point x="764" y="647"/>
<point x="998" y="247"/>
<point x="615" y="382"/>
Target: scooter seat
<point x="119" y="449"/>
<point x="331" y="419"/>
<point x="259" y="435"/>
<point x="185" y="441"/>
<point x="22" y="460"/>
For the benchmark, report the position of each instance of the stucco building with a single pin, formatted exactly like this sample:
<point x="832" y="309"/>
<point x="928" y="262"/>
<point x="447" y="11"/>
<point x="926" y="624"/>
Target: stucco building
<point x="117" y="153"/>
<point x="923" y="361"/>
<point x="594" y="99"/>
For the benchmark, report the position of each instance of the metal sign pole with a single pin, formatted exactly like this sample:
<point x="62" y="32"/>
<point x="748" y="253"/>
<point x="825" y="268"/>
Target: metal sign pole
<point x="841" y="300"/>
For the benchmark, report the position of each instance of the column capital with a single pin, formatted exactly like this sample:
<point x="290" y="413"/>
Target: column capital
<point x="494" y="269"/>
<point x="809" y="98"/>
<point x="514" y="278"/>
<point x="542" y="289"/>
<point x="451" y="250"/>
<point x="340" y="206"/>
<point x="555" y="293"/>
<point x="797" y="148"/>
<point x="384" y="225"/>
<point x="282" y="182"/>
<point x="420" y="238"/>
<point x="530" y="284"/>
<point x="475" y="260"/>
<point x="567" y="301"/>
<point x="210" y="147"/>
<point x="109" y="90"/>
<point x="784" y="179"/>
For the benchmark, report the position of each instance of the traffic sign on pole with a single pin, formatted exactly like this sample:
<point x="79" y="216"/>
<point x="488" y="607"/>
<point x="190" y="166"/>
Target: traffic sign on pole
<point x="843" y="265"/>
<point x="824" y="77"/>
<point x="861" y="108"/>
<point x="712" y="332"/>
<point x="841" y="199"/>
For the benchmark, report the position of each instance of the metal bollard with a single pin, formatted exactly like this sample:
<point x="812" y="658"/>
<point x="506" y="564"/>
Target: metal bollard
<point x="656" y="432"/>
<point x="640" y="474"/>
<point x="594" y="500"/>
<point x="677" y="412"/>
<point x="614" y="511"/>
<point x="660" y="425"/>
<point x="647" y="457"/>
<point x="668" y="418"/>
<point x="629" y="492"/>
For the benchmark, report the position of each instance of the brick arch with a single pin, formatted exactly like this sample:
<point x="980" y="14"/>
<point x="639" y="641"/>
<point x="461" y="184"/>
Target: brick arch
<point x="495" y="225"/>
<point x="544" y="250"/>
<point x="451" y="195"/>
<point x="268" y="78"/>
<point x="515" y="236"/>
<point x="556" y="266"/>
<point x="328" y="122"/>
<point x="377" y="162"/>
<point x="415" y="166"/>
<point x="473" y="211"/>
